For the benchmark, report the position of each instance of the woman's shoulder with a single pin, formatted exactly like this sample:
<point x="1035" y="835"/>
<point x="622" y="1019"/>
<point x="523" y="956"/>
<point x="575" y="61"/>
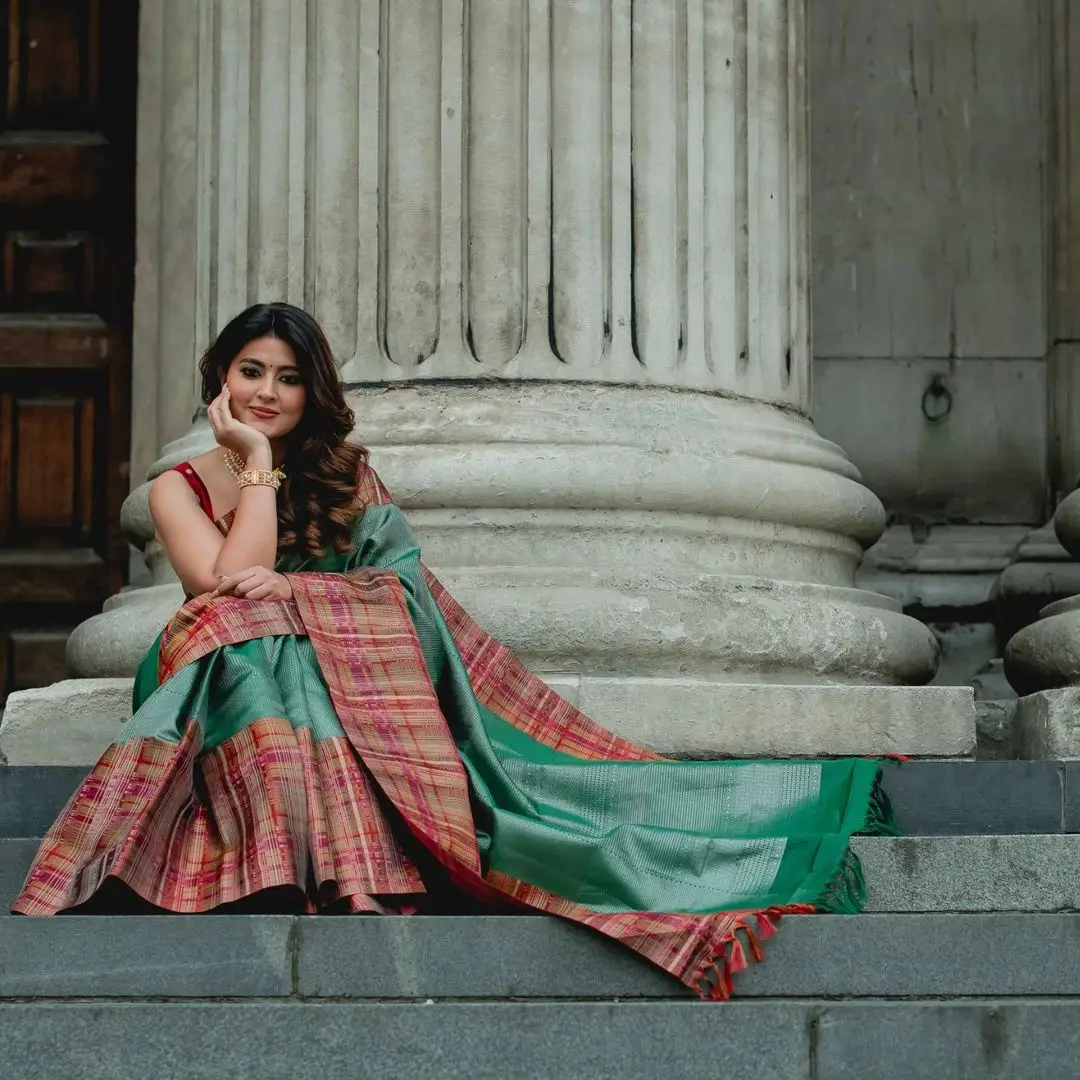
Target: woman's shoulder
<point x="182" y="481"/>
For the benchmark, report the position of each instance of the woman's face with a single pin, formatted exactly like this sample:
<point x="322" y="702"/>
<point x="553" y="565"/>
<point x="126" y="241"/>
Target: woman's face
<point x="265" y="386"/>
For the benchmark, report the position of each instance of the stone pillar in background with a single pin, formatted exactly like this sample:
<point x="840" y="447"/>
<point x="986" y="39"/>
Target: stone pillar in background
<point x="584" y="372"/>
<point x="1042" y="661"/>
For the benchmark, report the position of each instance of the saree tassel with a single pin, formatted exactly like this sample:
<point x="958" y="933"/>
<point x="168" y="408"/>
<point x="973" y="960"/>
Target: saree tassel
<point x="766" y="922"/>
<point x="737" y="962"/>
<point x="754" y="942"/>
<point x="727" y="982"/>
<point x="880" y="819"/>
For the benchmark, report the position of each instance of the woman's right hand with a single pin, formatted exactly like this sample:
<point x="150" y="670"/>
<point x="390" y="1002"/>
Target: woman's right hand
<point x="231" y="433"/>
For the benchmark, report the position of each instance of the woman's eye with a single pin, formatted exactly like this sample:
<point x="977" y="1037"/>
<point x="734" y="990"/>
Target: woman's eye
<point x="291" y="380"/>
<point x="250" y="373"/>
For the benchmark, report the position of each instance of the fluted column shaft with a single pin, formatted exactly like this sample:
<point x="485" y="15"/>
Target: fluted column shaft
<point x="476" y="188"/>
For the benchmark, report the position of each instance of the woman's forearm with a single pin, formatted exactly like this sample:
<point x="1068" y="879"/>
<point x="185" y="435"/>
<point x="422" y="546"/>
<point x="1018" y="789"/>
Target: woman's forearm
<point x="253" y="534"/>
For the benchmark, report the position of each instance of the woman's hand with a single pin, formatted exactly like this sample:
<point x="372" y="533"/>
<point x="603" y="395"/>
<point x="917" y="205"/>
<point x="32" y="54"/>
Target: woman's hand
<point x="232" y="434"/>
<point x="255" y="583"/>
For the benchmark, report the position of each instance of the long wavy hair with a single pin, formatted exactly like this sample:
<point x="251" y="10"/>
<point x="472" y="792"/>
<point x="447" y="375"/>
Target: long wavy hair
<point x="318" y="499"/>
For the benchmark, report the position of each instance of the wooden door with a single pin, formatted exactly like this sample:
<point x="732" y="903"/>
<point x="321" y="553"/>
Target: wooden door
<point x="67" y="181"/>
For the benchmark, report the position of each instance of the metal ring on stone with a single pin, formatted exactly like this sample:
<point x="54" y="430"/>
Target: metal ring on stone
<point x="937" y="400"/>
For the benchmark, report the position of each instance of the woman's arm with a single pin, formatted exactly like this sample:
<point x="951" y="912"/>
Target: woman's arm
<point x="195" y="548"/>
<point x="190" y="540"/>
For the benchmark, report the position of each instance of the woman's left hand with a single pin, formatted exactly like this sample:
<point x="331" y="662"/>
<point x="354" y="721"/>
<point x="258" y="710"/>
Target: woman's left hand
<point x="255" y="583"/>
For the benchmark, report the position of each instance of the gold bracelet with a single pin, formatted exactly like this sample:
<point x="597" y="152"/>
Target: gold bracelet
<point x="260" y="478"/>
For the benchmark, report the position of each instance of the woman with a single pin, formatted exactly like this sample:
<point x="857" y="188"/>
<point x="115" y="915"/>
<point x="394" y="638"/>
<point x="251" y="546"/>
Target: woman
<point x="322" y="728"/>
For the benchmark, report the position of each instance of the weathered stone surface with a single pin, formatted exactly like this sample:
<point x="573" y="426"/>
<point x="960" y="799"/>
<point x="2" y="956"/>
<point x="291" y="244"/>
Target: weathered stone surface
<point x="473" y="1041"/>
<point x="146" y="956"/>
<point x="68" y="723"/>
<point x="950" y="798"/>
<point x="112" y="644"/>
<point x="697" y="718"/>
<point x="815" y="956"/>
<point x="995" y="730"/>
<point x="15" y="859"/>
<point x="31" y="796"/>
<point x="981" y="1039"/>
<point x="1046" y="654"/>
<point x="971" y="873"/>
<point x="1048" y="725"/>
<point x="492" y="957"/>
<point x="978" y="1040"/>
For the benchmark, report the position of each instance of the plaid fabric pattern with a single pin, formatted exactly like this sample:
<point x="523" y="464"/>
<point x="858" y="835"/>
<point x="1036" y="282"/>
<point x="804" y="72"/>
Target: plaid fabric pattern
<point x="275" y="808"/>
<point x="193" y="633"/>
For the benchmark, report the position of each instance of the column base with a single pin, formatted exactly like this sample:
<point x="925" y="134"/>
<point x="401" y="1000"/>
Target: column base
<point x="641" y="531"/>
<point x="1046" y="654"/>
<point x="69" y="723"/>
<point x="72" y="722"/>
<point x="699" y="719"/>
<point x="1048" y="725"/>
<point x="113" y="643"/>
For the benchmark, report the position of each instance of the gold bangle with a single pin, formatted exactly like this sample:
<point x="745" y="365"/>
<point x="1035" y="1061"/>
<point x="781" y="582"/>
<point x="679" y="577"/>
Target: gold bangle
<point x="260" y="478"/>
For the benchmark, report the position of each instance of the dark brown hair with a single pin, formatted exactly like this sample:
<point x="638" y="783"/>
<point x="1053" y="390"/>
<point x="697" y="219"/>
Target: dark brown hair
<point x="318" y="498"/>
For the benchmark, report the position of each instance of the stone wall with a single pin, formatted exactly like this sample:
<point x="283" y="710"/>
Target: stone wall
<point x="932" y="276"/>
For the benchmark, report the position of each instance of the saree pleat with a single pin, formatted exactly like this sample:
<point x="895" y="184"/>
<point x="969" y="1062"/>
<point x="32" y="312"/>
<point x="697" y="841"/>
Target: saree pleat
<point x="366" y="743"/>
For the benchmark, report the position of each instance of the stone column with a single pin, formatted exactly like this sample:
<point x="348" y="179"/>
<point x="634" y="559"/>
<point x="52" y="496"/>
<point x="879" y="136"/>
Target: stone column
<point x="561" y="249"/>
<point x="1042" y="661"/>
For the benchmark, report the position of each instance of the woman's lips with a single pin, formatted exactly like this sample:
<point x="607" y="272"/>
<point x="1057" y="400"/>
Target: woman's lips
<point x="262" y="414"/>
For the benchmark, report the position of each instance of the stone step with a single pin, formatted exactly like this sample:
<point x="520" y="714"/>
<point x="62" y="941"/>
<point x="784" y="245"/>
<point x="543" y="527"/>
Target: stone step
<point x="987" y="1039"/>
<point x="1031" y="872"/>
<point x="520" y="957"/>
<point x="930" y="798"/>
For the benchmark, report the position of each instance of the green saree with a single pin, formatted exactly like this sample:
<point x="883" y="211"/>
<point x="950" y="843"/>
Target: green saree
<point x="367" y="746"/>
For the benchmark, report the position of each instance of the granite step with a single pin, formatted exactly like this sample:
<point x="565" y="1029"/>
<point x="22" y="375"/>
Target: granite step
<point x="1032" y="872"/>
<point x="930" y="798"/>
<point x="981" y="1039"/>
<point x="519" y="957"/>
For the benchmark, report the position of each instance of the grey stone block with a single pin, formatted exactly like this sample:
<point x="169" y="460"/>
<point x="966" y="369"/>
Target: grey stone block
<point x="950" y="798"/>
<point x="15" y="858"/>
<point x="1072" y="796"/>
<point x="995" y="736"/>
<point x="987" y="1040"/>
<point x="485" y="957"/>
<point x="971" y="873"/>
<point x="1048" y="722"/>
<point x="146" y="956"/>
<point x="919" y="956"/>
<point x="482" y="1041"/>
<point x="813" y="956"/>
<point x="32" y="796"/>
<point x="69" y="723"/>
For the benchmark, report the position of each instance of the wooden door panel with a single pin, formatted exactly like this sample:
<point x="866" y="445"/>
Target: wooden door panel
<point x="48" y="273"/>
<point x="67" y="181"/>
<point x="54" y="486"/>
<point x="52" y="179"/>
<point x="53" y="52"/>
